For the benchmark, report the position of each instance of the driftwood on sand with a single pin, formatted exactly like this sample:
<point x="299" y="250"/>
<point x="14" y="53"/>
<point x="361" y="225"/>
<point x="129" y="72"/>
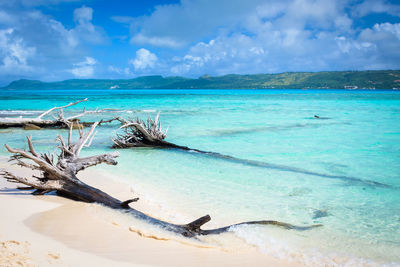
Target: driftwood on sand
<point x="43" y="120"/>
<point x="59" y="174"/>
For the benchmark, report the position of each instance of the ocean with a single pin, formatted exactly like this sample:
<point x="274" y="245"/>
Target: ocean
<point x="341" y="170"/>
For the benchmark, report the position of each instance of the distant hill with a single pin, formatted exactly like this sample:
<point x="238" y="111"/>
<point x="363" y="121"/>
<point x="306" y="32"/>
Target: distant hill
<point x="382" y="79"/>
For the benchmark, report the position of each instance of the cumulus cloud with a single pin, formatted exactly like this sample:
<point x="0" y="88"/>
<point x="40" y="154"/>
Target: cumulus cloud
<point x="41" y="47"/>
<point x="156" y="41"/>
<point x="144" y="60"/>
<point x="84" y="29"/>
<point x="247" y="37"/>
<point x="376" y="6"/>
<point x="193" y="37"/>
<point x="14" y="53"/>
<point x="388" y="28"/>
<point x="176" y="25"/>
<point x="83" y="14"/>
<point x="120" y="71"/>
<point x="269" y="36"/>
<point x="84" y="68"/>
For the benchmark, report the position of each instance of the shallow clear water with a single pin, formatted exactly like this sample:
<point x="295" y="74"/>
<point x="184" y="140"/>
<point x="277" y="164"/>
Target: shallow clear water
<point x="342" y="170"/>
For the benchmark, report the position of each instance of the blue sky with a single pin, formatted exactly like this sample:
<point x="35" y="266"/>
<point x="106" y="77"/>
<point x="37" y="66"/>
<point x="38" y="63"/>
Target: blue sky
<point x="62" y="39"/>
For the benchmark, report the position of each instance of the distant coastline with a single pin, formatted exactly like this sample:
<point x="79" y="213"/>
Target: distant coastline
<point x="350" y="80"/>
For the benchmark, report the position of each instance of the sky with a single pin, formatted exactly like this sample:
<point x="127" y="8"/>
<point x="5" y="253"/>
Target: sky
<point x="52" y="40"/>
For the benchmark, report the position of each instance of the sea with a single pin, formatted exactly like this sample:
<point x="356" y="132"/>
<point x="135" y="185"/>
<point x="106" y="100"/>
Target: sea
<point x="303" y="157"/>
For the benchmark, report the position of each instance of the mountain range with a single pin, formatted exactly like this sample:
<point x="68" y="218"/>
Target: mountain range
<point x="373" y="80"/>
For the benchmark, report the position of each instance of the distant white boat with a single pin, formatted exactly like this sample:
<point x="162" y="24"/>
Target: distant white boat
<point x="114" y="87"/>
<point x="351" y="87"/>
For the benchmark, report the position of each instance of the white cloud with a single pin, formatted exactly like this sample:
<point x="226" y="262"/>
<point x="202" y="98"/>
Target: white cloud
<point x="83" y="14"/>
<point x="84" y="29"/>
<point x="68" y="40"/>
<point x="85" y="68"/>
<point x="41" y="47"/>
<point x="389" y="28"/>
<point x="269" y="36"/>
<point x="376" y="6"/>
<point x="175" y="25"/>
<point x="348" y="46"/>
<point x="120" y="71"/>
<point x="190" y="21"/>
<point x="156" y="41"/>
<point x="193" y="37"/>
<point x="385" y="38"/>
<point x="383" y="34"/>
<point x="144" y="59"/>
<point x="248" y="37"/>
<point x="14" y="53"/>
<point x="276" y="49"/>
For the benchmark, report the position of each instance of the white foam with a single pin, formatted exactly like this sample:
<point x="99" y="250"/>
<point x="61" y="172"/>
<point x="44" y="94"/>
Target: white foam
<point x="282" y="249"/>
<point x="19" y="112"/>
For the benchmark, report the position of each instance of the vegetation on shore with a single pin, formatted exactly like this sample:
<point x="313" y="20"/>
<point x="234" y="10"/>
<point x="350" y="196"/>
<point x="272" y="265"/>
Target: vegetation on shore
<point x="380" y="79"/>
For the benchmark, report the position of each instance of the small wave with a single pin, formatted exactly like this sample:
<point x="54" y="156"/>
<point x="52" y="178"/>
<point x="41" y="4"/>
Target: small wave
<point x="284" y="250"/>
<point x="19" y="112"/>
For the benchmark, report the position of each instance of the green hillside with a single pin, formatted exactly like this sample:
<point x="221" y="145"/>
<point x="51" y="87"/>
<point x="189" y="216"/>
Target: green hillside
<point x="385" y="79"/>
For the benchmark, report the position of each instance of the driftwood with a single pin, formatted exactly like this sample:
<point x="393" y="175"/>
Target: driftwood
<point x="42" y="121"/>
<point x="139" y="133"/>
<point x="59" y="174"/>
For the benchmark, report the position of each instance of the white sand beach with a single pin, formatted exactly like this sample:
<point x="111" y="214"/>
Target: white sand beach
<point x="54" y="231"/>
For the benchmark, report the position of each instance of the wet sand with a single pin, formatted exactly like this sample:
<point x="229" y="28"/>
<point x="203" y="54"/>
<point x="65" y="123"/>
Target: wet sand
<point x="53" y="231"/>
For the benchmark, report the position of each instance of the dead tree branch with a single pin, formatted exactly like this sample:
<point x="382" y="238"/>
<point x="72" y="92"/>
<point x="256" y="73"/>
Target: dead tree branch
<point x="60" y="175"/>
<point x="139" y="133"/>
<point x="59" y="121"/>
<point x="66" y="106"/>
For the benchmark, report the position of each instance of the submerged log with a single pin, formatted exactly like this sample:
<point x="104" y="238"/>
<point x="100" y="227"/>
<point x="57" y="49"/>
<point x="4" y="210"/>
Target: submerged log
<point x="138" y="133"/>
<point x="58" y="173"/>
<point x="31" y="127"/>
<point x="42" y="121"/>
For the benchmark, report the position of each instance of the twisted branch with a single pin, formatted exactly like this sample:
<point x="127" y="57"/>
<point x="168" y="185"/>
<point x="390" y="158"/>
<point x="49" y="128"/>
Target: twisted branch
<point x="60" y="176"/>
<point x="66" y="106"/>
<point x="140" y="133"/>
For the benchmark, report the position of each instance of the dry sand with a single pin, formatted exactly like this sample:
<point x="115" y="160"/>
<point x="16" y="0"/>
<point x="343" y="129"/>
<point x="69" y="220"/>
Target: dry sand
<point x="52" y="231"/>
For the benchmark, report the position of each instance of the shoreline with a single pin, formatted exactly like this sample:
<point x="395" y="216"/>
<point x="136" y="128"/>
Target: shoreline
<point x="53" y="231"/>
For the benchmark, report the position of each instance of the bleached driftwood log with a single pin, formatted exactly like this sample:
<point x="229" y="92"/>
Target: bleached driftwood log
<point x="43" y="120"/>
<point x="59" y="174"/>
<point x="139" y="133"/>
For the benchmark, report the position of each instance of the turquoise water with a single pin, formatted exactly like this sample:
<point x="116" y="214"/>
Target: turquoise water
<point x="342" y="170"/>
